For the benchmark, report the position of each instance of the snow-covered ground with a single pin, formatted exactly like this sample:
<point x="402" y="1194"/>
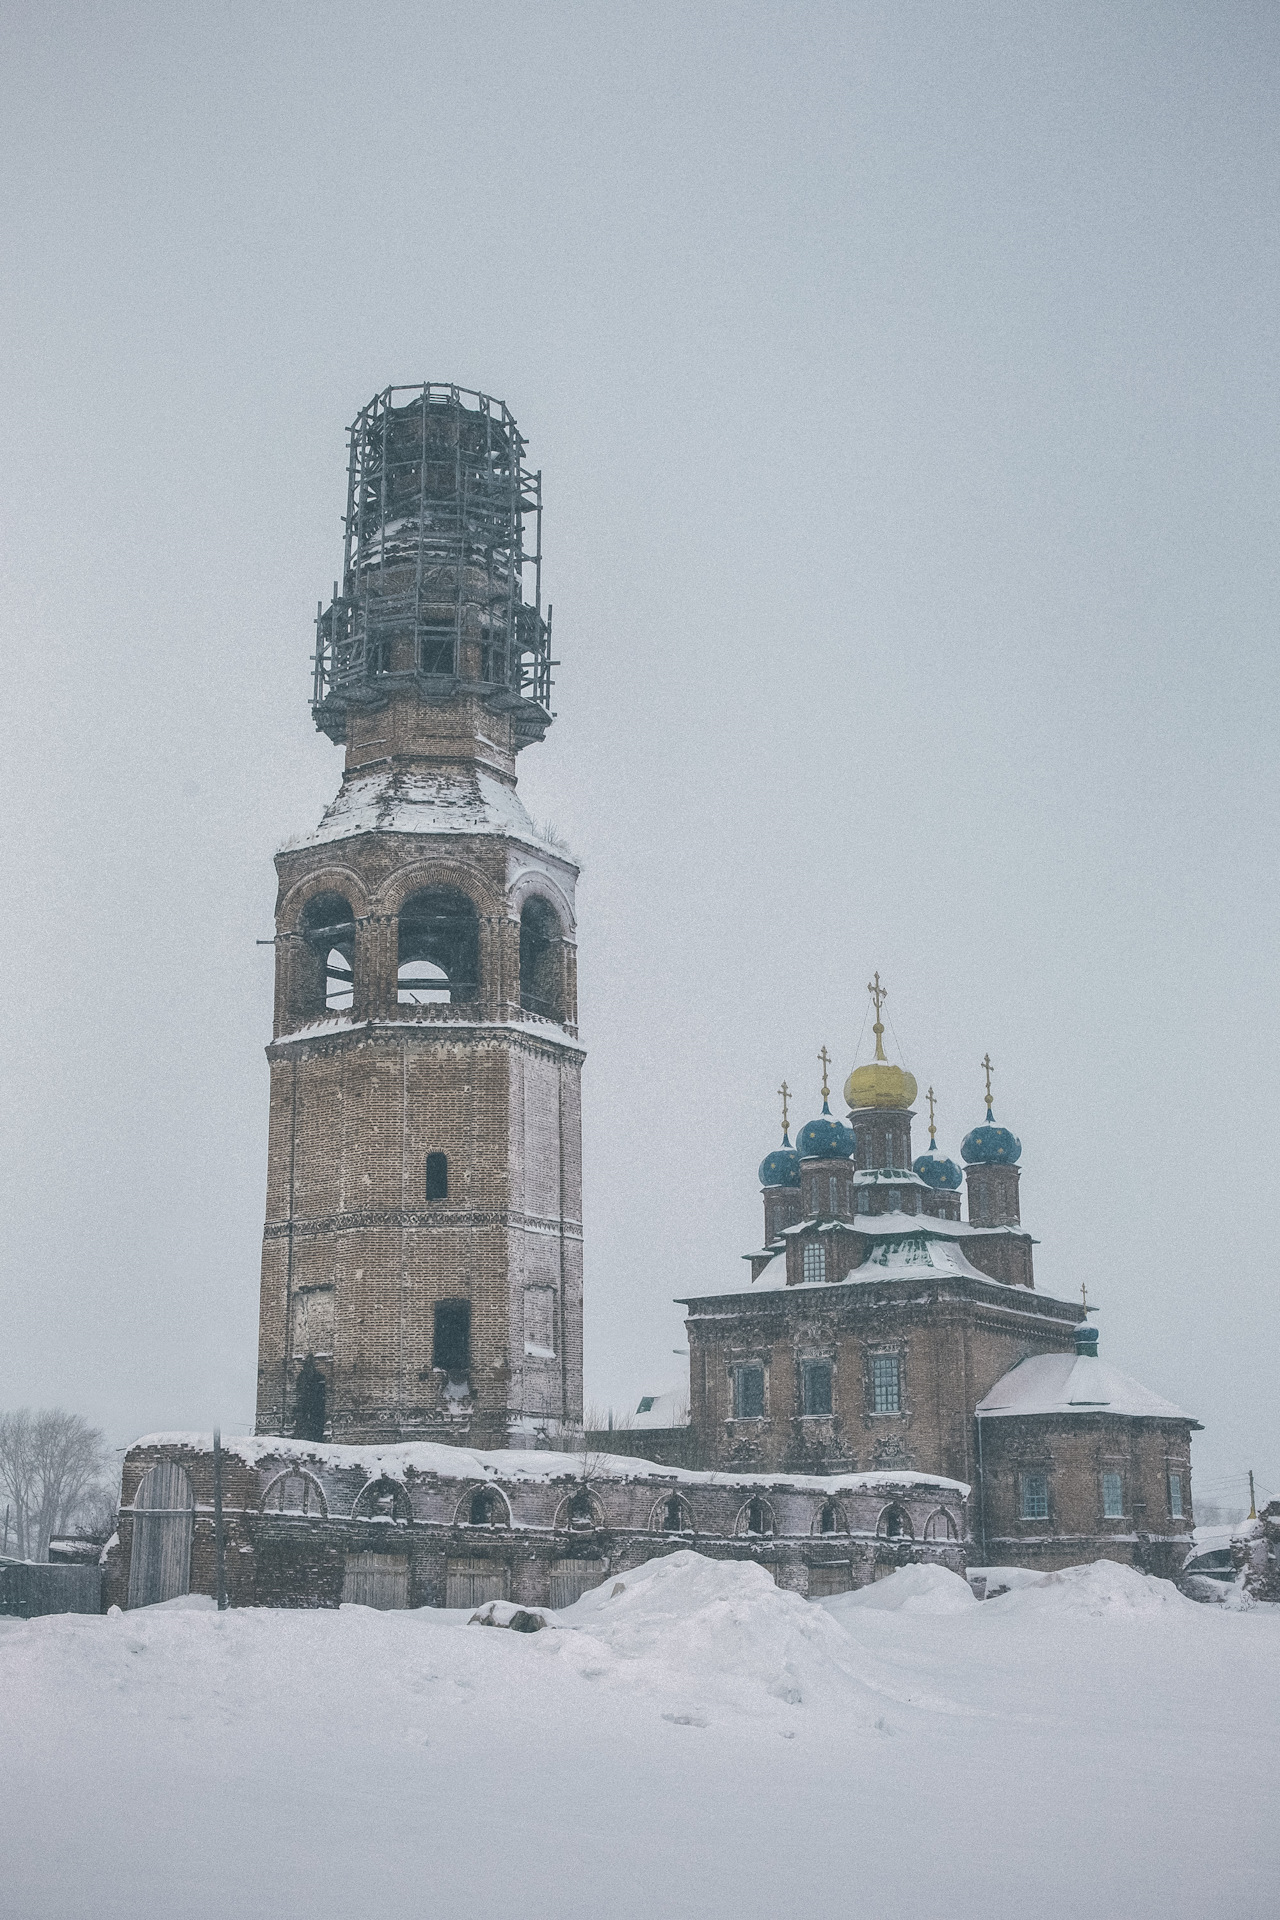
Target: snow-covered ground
<point x="687" y="1741"/>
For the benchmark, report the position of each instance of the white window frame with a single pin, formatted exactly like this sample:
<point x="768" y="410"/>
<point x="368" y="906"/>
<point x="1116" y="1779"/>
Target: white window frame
<point x="1040" y="1480"/>
<point x="813" y="1263"/>
<point x="1112" y="1511"/>
<point x="879" y="1362"/>
<point x="1178" y="1507"/>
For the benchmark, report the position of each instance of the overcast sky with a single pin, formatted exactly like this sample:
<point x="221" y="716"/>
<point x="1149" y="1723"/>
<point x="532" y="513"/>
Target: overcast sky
<point x="903" y="380"/>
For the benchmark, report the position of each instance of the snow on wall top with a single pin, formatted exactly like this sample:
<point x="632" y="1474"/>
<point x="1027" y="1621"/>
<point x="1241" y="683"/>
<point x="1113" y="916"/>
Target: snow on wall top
<point x="450" y="797"/>
<point x="466" y="1465"/>
<point x="530" y="1023"/>
<point x="1073" y="1383"/>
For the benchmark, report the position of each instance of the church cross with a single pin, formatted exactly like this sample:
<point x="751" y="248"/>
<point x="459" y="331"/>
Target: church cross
<point x="879" y="995"/>
<point x="1084" y="1299"/>
<point x="825" y="1058"/>
<point x="986" y="1063"/>
<point x="785" y="1091"/>
<point x="932" y="1128"/>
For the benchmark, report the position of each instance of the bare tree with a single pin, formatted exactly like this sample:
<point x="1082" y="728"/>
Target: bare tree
<point x="53" y="1466"/>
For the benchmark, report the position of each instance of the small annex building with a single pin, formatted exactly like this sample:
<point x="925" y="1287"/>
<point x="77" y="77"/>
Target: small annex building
<point x="1079" y="1461"/>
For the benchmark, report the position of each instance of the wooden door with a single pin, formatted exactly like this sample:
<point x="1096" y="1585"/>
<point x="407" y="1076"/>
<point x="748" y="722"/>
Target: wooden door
<point x="164" y="1513"/>
<point x="376" y="1580"/>
<point x="470" y="1582"/>
<point x="570" y="1579"/>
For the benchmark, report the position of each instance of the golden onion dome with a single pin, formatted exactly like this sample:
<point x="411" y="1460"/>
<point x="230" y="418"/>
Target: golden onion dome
<point x="880" y="1084"/>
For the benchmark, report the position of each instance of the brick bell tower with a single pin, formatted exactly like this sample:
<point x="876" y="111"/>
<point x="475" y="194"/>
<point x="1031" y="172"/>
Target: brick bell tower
<point x="422" y="1259"/>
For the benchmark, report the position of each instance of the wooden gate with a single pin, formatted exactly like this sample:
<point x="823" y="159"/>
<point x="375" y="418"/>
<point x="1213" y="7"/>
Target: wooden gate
<point x="376" y="1580"/>
<point x="829" y="1580"/>
<point x="470" y="1582"/>
<point x="570" y="1579"/>
<point x="163" y="1515"/>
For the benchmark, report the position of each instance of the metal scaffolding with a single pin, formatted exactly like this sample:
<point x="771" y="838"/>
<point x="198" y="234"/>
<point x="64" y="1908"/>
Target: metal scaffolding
<point x="434" y="562"/>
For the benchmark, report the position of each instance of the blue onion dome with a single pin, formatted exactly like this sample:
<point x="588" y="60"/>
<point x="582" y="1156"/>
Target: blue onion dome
<point x="825" y="1139"/>
<point x="943" y="1175"/>
<point x="990" y="1145"/>
<point x="781" y="1168"/>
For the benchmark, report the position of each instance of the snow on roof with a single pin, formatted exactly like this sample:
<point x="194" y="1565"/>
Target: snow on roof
<point x="512" y="1464"/>
<point x="905" y="1257"/>
<point x="1073" y="1383"/>
<point x="453" y="797"/>
<point x="668" y="1409"/>
<point x="897" y="1223"/>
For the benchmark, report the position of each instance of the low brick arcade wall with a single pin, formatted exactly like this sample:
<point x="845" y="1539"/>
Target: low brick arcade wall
<point x="305" y="1526"/>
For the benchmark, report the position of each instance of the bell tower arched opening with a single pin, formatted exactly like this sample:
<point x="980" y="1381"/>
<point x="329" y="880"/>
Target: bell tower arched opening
<point x="328" y="932"/>
<point x="438" y="958"/>
<point x="541" y="960"/>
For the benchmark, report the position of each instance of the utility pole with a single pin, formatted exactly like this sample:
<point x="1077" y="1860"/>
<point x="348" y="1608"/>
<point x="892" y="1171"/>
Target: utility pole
<point x="219" y="1544"/>
<point x="1253" y="1504"/>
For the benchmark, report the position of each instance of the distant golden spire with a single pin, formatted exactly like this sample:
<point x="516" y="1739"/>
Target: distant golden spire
<point x="825" y="1058"/>
<point x="986" y="1063"/>
<point x="879" y="994"/>
<point x="785" y="1091"/>
<point x="932" y="1128"/>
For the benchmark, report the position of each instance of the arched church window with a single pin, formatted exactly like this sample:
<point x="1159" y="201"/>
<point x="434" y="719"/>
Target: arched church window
<point x="439" y="949"/>
<point x="940" y="1526"/>
<point x="482" y="1506"/>
<point x="437" y="1184"/>
<point x="757" y="1516"/>
<point x="675" y="1518"/>
<point x="895" y="1524"/>
<point x="541" y="968"/>
<point x="328" y="931"/>
<point x="581" y="1513"/>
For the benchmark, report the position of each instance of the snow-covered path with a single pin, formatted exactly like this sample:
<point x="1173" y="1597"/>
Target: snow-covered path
<point x="696" y="1744"/>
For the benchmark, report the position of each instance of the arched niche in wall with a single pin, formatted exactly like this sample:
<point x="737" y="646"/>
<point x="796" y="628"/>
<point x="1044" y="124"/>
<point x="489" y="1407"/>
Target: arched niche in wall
<point x="296" y="1494"/>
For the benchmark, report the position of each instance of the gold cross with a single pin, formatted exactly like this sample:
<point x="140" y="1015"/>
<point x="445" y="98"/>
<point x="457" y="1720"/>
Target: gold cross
<point x="879" y="994"/>
<point x="825" y="1058"/>
<point x="784" y="1090"/>
<point x="932" y="1128"/>
<point x="1084" y="1299"/>
<point x="986" y="1062"/>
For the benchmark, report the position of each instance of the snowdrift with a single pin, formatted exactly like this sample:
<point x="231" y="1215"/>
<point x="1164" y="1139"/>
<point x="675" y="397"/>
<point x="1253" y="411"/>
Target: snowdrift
<point x="686" y="1739"/>
<point x="921" y="1589"/>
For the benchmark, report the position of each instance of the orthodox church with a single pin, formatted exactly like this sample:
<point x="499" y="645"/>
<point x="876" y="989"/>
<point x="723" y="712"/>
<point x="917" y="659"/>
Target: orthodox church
<point x="881" y="1331"/>
<point x="888" y="1386"/>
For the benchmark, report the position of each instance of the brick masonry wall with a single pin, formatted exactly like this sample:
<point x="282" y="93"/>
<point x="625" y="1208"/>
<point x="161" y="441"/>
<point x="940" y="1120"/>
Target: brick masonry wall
<point x="278" y="1559"/>
<point x="954" y="1342"/>
<point x="355" y="1258"/>
<point x="1073" y="1452"/>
